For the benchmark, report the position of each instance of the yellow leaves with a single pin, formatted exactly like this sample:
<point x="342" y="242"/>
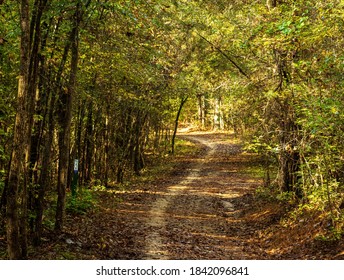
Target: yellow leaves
<point x="102" y="245"/>
<point x="272" y="94"/>
<point x="334" y="110"/>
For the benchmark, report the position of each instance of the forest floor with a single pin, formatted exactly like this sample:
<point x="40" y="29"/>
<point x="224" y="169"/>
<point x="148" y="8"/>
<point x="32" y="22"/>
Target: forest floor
<point x="200" y="205"/>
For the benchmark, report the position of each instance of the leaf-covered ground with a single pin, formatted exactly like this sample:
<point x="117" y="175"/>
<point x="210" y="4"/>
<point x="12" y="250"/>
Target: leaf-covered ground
<point x="201" y="205"/>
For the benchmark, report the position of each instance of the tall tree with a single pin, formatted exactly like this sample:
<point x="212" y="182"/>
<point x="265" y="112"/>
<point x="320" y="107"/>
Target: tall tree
<point x="17" y="177"/>
<point x="65" y="117"/>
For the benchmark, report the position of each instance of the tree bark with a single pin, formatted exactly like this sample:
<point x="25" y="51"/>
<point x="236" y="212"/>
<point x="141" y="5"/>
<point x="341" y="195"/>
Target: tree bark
<point x="138" y="161"/>
<point x="88" y="145"/>
<point x="35" y="71"/>
<point x="289" y="158"/>
<point x="201" y="110"/>
<point x="182" y="102"/>
<point x="16" y="189"/>
<point x="65" y="117"/>
<point x="218" y="119"/>
<point x="44" y="179"/>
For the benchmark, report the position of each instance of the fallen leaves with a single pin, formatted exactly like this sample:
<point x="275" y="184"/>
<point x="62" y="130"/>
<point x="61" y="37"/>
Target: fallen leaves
<point x="210" y="212"/>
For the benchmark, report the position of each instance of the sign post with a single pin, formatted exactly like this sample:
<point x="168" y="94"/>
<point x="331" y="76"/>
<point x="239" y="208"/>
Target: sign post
<point x="75" y="177"/>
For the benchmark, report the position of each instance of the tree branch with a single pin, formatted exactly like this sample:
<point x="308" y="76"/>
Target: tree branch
<point x="225" y="55"/>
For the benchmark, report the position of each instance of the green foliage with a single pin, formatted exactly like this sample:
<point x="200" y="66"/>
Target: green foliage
<point x="266" y="193"/>
<point x="257" y="145"/>
<point x="272" y="74"/>
<point x="184" y="147"/>
<point x="80" y="204"/>
<point x="288" y="197"/>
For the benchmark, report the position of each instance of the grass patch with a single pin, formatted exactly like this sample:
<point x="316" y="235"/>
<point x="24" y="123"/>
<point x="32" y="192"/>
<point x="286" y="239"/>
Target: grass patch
<point x="160" y="165"/>
<point x="184" y="147"/>
<point x="80" y="204"/>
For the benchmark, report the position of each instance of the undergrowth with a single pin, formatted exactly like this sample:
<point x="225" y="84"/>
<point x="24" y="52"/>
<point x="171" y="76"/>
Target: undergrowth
<point x="81" y="203"/>
<point x="298" y="212"/>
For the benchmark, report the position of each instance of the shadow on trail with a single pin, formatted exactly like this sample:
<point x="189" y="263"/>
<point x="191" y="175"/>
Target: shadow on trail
<point x="196" y="220"/>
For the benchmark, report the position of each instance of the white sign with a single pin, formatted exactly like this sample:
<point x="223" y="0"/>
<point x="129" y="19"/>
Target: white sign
<point x="76" y="164"/>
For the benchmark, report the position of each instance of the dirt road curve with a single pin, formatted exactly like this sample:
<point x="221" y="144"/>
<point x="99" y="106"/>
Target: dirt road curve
<point x="197" y="210"/>
<point x="202" y="208"/>
<point x="197" y="216"/>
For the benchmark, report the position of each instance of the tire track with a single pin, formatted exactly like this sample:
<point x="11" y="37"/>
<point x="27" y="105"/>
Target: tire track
<point x="199" y="216"/>
<point x="155" y="243"/>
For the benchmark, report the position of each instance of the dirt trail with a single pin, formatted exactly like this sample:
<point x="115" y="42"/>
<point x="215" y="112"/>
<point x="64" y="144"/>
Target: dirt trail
<point x="198" y="215"/>
<point x="202" y="208"/>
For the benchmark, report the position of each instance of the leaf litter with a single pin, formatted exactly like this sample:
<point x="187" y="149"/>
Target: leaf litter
<point x="203" y="208"/>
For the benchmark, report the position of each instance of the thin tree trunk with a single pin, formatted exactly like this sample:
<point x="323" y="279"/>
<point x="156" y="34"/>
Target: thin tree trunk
<point x="106" y="149"/>
<point x="34" y="72"/>
<point x="79" y="144"/>
<point x="182" y="102"/>
<point x="201" y="110"/>
<point x="65" y="117"/>
<point x="138" y="161"/>
<point x="45" y="175"/>
<point x="18" y="167"/>
<point x="88" y="145"/>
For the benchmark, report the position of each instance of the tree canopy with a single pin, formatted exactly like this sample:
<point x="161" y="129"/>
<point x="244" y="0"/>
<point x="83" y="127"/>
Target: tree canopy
<point x="105" y="82"/>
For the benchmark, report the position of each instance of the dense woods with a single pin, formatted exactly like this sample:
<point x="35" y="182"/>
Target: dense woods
<point x="108" y="82"/>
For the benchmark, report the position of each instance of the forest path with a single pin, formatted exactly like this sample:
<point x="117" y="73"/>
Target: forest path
<point x="198" y="206"/>
<point x="197" y="216"/>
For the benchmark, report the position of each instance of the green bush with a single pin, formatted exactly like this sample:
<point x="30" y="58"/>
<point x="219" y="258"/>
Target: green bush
<point x="81" y="203"/>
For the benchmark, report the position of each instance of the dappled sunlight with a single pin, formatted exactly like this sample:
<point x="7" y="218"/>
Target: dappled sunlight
<point x="193" y="212"/>
<point x="213" y="194"/>
<point x="229" y="195"/>
<point x="160" y="253"/>
<point x="193" y="217"/>
<point x="141" y="212"/>
<point x="204" y="209"/>
<point x="171" y="129"/>
<point x="214" y="236"/>
<point x="196" y="210"/>
<point x="130" y="204"/>
<point x="258" y="215"/>
<point x="177" y="188"/>
<point x="339" y="255"/>
<point x="134" y="191"/>
<point x="201" y="210"/>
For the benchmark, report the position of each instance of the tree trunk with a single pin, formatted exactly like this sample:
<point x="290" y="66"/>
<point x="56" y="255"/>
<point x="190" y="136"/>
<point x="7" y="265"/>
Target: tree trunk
<point x="138" y="161"/>
<point x="79" y="149"/>
<point x="182" y="102"/>
<point x="289" y="158"/>
<point x="16" y="188"/>
<point x="218" y="117"/>
<point x="44" y="179"/>
<point x="36" y="70"/>
<point x="88" y="145"/>
<point x="65" y="117"/>
<point x="201" y="110"/>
